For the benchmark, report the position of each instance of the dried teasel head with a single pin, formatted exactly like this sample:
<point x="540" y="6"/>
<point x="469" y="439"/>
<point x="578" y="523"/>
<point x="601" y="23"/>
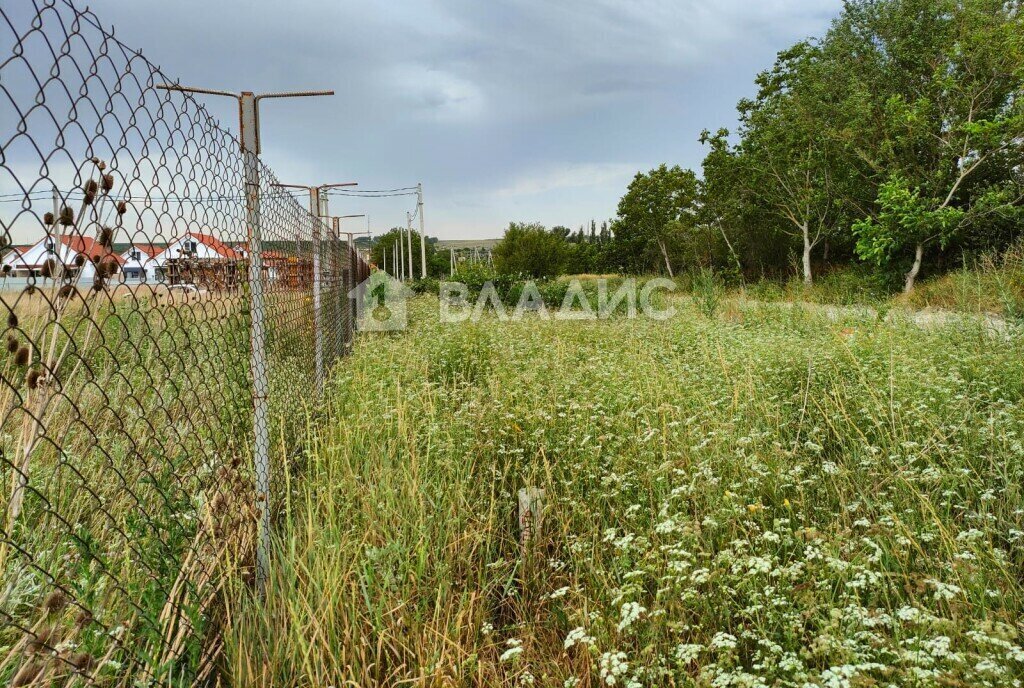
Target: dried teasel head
<point x="108" y="183"/>
<point x="7" y="269"/>
<point x="49" y="268"/>
<point x="98" y="284"/>
<point x="79" y="260"/>
<point x="12" y="343"/>
<point x="82" y="661"/>
<point x="12" y="320"/>
<point x="32" y="379"/>
<point x="107" y="268"/>
<point x="40" y="640"/>
<point x="122" y="208"/>
<point x="90" y="188"/>
<point x="83" y="618"/>
<point x="67" y="216"/>
<point x="48" y="218"/>
<point x="106" y="237"/>
<point x="21" y="358"/>
<point x="55" y="601"/>
<point x="67" y="291"/>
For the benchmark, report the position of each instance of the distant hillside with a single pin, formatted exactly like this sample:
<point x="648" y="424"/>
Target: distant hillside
<point x="466" y="243"/>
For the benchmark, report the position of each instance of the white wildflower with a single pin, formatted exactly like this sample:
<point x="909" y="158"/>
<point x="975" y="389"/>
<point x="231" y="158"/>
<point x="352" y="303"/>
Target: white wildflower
<point x="613" y="666"/>
<point x="578" y="636"/>
<point x="515" y="648"/>
<point x="629" y="613"/>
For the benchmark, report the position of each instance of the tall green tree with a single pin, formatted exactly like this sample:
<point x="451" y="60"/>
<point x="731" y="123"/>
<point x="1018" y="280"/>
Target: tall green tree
<point x="937" y="109"/>
<point x="654" y="217"/>
<point x="787" y="160"/>
<point x="725" y="206"/>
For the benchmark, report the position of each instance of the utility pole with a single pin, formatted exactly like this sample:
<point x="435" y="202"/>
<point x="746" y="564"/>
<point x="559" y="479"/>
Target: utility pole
<point x="451" y="262"/>
<point x="423" y="237"/>
<point x="249" y="139"/>
<point x="401" y="255"/>
<point x="408" y="236"/>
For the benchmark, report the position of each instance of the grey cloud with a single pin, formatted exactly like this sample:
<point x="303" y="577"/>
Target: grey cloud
<point x="476" y="99"/>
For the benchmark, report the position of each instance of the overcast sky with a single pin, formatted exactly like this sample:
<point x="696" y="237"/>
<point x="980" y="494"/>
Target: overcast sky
<point x="531" y="110"/>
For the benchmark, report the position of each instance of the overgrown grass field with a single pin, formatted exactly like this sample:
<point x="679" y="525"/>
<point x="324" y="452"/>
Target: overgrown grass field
<point x="756" y="496"/>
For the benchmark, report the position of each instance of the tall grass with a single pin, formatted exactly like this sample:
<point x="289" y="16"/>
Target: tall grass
<point x="771" y="500"/>
<point x="994" y="284"/>
<point x="132" y="501"/>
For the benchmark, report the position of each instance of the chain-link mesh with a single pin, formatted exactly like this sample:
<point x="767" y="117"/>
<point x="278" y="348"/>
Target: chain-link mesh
<point x="127" y="396"/>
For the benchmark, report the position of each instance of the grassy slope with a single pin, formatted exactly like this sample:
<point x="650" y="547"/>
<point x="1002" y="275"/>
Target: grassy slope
<point x="993" y="284"/>
<point x="775" y="496"/>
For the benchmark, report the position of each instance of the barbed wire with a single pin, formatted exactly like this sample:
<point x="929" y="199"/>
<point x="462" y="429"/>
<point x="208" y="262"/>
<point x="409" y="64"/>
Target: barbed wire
<point x="125" y="382"/>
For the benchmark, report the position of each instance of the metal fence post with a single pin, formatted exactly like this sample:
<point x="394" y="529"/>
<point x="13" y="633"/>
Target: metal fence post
<point x="318" y="329"/>
<point x="249" y="122"/>
<point x="354" y="279"/>
<point x="341" y="329"/>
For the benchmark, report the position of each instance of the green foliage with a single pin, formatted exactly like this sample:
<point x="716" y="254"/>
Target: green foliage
<point x="708" y="290"/>
<point x="530" y="249"/>
<point x="899" y="133"/>
<point x="437" y="263"/>
<point x="904" y="219"/>
<point x="655" y="218"/>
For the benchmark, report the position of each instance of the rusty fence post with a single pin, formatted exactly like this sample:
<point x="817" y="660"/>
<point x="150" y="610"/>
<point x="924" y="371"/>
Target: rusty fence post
<point x="257" y="330"/>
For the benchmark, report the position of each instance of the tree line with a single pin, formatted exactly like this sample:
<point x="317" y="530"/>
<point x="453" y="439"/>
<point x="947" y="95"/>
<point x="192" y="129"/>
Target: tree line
<point x="896" y="140"/>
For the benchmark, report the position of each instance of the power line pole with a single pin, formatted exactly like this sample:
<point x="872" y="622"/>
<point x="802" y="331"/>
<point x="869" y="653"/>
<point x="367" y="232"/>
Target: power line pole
<point x="401" y="255"/>
<point x="423" y="237"/>
<point x="408" y="237"/>
<point x="249" y="139"/>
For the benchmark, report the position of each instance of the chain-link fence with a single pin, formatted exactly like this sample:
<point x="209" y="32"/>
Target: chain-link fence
<point x="132" y="278"/>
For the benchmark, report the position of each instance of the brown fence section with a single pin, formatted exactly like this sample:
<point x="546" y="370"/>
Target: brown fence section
<point x="129" y="355"/>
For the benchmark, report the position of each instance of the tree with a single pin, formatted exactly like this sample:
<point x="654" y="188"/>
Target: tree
<point x="786" y="159"/>
<point x="722" y="207"/>
<point x="388" y="242"/>
<point x="659" y="207"/>
<point x="939" y="107"/>
<point x="529" y="249"/>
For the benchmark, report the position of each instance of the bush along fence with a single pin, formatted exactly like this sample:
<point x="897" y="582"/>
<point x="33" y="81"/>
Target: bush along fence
<point x="164" y="301"/>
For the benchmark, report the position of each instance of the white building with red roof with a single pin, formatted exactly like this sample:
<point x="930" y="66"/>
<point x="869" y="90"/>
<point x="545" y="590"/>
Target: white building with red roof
<point x="139" y="262"/>
<point x="175" y="263"/>
<point x="78" y="256"/>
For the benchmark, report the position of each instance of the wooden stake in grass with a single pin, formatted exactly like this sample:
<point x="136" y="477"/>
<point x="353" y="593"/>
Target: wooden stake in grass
<point x="531" y="512"/>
